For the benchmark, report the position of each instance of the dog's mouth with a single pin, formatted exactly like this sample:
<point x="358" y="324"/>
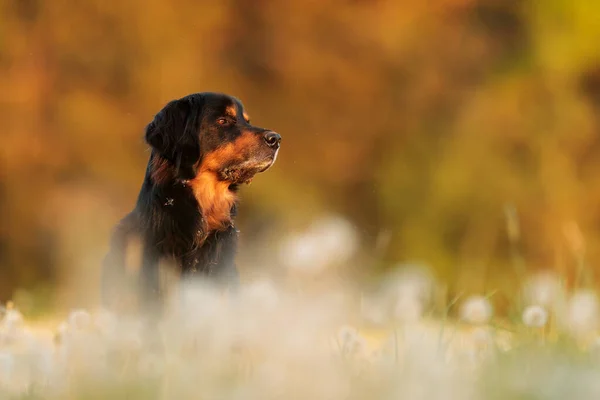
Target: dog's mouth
<point x="265" y="165"/>
<point x="245" y="171"/>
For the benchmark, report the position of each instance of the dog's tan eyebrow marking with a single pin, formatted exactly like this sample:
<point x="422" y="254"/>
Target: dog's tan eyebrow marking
<point x="231" y="111"/>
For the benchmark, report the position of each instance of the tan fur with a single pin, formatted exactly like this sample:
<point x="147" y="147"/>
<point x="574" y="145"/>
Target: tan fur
<point x="213" y="195"/>
<point x="231" y="111"/>
<point x="236" y="150"/>
<point x="215" y="200"/>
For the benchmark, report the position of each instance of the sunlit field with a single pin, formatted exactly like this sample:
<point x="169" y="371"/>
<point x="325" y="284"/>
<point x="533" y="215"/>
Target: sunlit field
<point x="430" y="229"/>
<point x="399" y="337"/>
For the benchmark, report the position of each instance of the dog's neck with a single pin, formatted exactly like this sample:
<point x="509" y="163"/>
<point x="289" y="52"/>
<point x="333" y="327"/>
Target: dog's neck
<point x="216" y="198"/>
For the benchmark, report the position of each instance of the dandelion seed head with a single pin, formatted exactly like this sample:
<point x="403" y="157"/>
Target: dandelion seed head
<point x="198" y="302"/>
<point x="12" y="326"/>
<point x="261" y="294"/>
<point x="476" y="310"/>
<point x="13" y="319"/>
<point x="337" y="236"/>
<point x="105" y="322"/>
<point x="581" y="316"/>
<point x="404" y="296"/>
<point x="535" y="316"/>
<point x="301" y="252"/>
<point x="330" y="240"/>
<point x="542" y="289"/>
<point x="373" y="311"/>
<point x="79" y="320"/>
<point x="412" y="280"/>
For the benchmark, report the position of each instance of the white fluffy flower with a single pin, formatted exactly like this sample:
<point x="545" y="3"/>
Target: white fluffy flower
<point x="338" y="237"/>
<point x="413" y="281"/>
<point x="404" y="296"/>
<point x="373" y="311"/>
<point x="261" y="294"/>
<point x="105" y="322"/>
<point x="13" y="319"/>
<point x="535" y="316"/>
<point x="327" y="241"/>
<point x="12" y="326"/>
<point x="542" y="289"/>
<point x="476" y="310"/>
<point x="198" y="301"/>
<point x="582" y="313"/>
<point x="79" y="320"/>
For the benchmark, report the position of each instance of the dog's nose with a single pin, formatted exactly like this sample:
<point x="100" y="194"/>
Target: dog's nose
<point x="272" y="138"/>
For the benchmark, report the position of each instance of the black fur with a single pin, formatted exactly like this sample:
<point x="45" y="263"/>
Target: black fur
<point x="168" y="219"/>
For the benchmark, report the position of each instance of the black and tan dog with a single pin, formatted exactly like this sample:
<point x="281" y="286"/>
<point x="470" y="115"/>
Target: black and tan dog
<point x="203" y="148"/>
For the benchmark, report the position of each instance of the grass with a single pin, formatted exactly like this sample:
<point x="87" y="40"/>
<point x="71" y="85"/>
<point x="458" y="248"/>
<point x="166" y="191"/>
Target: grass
<point x="270" y="343"/>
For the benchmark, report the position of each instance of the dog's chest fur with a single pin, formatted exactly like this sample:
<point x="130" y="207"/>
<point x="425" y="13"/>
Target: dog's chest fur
<point x="184" y="216"/>
<point x="215" y="200"/>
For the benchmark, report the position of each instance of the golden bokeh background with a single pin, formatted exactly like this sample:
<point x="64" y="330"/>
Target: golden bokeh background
<point x="463" y="134"/>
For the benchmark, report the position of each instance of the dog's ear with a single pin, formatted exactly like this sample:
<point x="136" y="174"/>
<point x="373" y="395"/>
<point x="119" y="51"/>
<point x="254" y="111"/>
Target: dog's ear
<point x="174" y="135"/>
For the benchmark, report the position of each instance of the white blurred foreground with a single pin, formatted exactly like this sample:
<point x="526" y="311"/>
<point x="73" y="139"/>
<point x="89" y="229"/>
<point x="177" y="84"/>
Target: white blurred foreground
<point x="275" y="343"/>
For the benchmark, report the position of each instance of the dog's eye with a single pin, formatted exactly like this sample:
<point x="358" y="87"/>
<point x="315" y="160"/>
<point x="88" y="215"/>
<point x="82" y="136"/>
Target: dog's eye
<point x="222" y="121"/>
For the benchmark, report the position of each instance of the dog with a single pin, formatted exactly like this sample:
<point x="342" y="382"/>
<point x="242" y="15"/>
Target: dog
<point x="203" y="147"/>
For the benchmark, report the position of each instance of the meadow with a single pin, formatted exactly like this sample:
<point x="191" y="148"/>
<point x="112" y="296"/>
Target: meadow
<point x="456" y="139"/>
<point x="401" y="337"/>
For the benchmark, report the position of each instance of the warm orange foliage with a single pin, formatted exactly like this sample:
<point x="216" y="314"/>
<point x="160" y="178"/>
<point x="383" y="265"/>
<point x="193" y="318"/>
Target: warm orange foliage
<point x="424" y="119"/>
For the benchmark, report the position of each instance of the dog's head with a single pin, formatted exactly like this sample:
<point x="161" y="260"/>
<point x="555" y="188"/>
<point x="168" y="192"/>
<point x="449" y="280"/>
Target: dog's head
<point x="211" y="132"/>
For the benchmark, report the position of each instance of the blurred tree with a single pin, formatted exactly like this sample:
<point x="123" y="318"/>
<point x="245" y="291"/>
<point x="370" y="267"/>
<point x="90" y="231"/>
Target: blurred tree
<point x="423" y="119"/>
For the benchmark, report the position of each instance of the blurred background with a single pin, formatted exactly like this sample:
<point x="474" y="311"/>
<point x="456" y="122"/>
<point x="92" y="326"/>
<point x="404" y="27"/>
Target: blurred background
<point x="461" y="134"/>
